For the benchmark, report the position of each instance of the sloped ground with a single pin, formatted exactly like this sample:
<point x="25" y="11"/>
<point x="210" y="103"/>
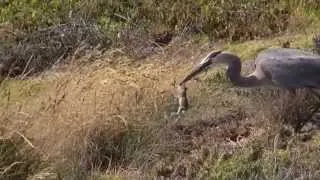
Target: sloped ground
<point x="115" y="119"/>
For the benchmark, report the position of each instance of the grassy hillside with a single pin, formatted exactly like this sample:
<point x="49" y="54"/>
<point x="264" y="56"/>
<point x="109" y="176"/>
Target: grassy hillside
<point x="109" y="115"/>
<point x="115" y="120"/>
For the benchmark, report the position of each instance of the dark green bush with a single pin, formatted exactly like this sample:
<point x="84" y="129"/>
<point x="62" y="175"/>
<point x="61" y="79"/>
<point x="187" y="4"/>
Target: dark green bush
<point x="244" y="19"/>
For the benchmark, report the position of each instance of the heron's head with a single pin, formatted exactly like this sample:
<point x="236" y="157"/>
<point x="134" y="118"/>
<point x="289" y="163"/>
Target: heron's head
<point x="205" y="63"/>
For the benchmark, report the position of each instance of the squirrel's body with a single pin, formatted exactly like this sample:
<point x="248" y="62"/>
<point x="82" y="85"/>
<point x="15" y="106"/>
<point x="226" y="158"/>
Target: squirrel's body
<point x="182" y="98"/>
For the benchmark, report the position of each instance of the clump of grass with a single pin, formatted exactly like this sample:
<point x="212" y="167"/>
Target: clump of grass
<point x="282" y="108"/>
<point x="107" y="147"/>
<point x="17" y="159"/>
<point x="96" y="127"/>
<point x="257" y="161"/>
<point x="245" y="165"/>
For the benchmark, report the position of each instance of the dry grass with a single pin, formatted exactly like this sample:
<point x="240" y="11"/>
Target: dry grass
<point x="114" y="120"/>
<point x="76" y="113"/>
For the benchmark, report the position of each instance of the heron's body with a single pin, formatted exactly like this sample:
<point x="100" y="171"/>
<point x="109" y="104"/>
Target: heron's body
<point x="289" y="68"/>
<point x="283" y="67"/>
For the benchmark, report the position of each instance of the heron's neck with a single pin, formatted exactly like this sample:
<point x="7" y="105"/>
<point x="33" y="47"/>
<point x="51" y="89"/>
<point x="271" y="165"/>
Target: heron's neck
<point x="234" y="74"/>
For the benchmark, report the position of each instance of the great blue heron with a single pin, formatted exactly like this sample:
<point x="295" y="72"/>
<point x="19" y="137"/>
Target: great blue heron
<point x="283" y="67"/>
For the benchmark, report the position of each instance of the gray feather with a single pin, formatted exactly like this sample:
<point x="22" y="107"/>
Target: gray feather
<point x="290" y="68"/>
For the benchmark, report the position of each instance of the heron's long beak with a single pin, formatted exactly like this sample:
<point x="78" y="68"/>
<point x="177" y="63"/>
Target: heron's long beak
<point x="207" y="61"/>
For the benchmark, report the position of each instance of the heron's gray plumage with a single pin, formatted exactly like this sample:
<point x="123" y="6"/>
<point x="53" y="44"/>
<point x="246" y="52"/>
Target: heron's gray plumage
<point x="290" y="68"/>
<point x="283" y="67"/>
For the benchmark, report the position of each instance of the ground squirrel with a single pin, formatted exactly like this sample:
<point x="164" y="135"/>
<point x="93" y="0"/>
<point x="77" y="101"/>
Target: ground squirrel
<point x="182" y="98"/>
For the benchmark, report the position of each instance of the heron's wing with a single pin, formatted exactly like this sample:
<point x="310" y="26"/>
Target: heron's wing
<point x="293" y="70"/>
<point x="283" y="53"/>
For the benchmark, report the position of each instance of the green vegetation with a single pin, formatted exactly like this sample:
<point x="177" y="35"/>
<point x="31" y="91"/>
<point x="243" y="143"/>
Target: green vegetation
<point x="262" y="163"/>
<point x="217" y="19"/>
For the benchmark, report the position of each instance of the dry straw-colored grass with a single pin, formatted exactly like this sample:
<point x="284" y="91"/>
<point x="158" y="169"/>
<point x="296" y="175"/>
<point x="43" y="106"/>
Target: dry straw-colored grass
<point x="116" y="119"/>
<point x="74" y="115"/>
